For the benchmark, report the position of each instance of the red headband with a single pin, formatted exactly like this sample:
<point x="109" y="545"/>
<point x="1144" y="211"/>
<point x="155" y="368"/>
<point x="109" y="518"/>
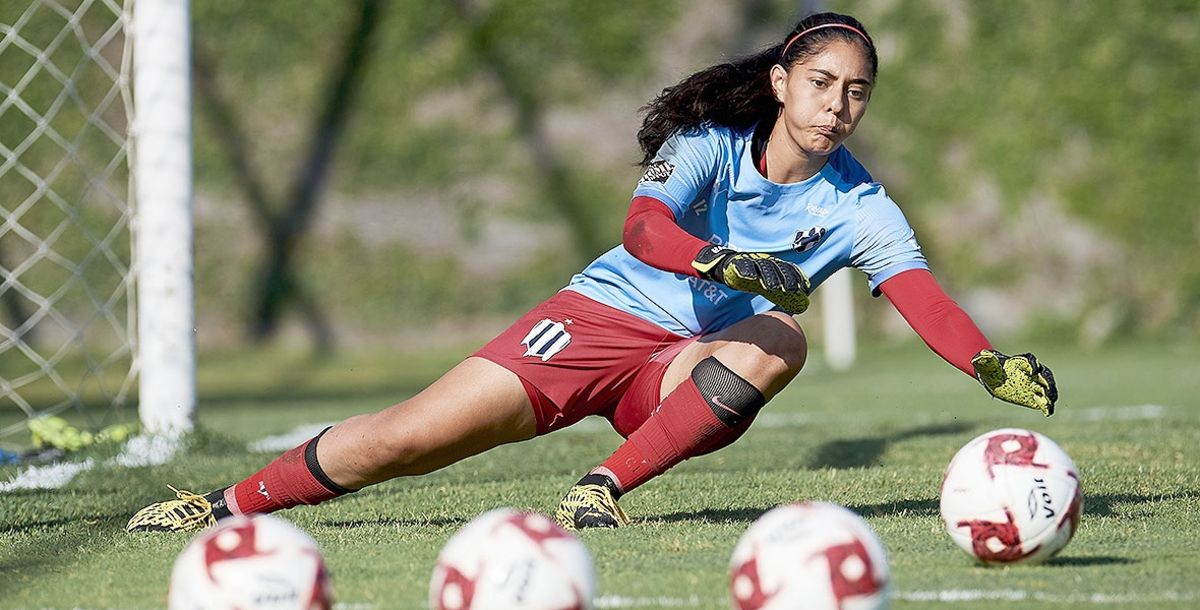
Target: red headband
<point x="821" y="27"/>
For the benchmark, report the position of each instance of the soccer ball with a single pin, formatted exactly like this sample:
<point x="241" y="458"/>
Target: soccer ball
<point x="809" y="556"/>
<point x="1010" y="496"/>
<point x="506" y="559"/>
<point x="263" y="563"/>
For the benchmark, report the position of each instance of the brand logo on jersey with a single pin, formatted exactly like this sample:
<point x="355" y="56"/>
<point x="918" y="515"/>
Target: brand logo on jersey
<point x="816" y="210"/>
<point x="658" y="171"/>
<point x="546" y="339"/>
<point x="807" y="239"/>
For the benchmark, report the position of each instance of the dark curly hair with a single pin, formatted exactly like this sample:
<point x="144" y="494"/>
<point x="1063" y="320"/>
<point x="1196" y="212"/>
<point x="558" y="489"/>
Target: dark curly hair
<point x="738" y="94"/>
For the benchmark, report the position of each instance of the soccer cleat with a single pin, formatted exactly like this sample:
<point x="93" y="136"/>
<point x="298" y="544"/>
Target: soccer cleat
<point x="589" y="506"/>
<point x="188" y="513"/>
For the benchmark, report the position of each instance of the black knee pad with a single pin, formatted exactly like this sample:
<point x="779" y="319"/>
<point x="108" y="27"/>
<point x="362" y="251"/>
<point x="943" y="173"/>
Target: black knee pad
<point x="732" y="399"/>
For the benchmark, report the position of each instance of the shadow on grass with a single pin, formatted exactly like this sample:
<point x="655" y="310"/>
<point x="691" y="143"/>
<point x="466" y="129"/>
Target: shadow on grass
<point x="1109" y="505"/>
<point x="455" y="522"/>
<point x="116" y="520"/>
<point x="919" y="508"/>
<point x="916" y="508"/>
<point x="858" y="452"/>
<point x="1071" y="562"/>
<point x="66" y="539"/>
<point x="726" y="515"/>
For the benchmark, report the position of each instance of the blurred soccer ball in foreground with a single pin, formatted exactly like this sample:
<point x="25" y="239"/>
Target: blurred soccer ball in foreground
<point x="264" y="563"/>
<point x="1010" y="496"/>
<point x="811" y="556"/>
<point x="505" y="559"/>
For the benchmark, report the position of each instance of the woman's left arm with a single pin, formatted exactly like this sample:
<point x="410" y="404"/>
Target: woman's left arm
<point x="951" y="333"/>
<point x="939" y="321"/>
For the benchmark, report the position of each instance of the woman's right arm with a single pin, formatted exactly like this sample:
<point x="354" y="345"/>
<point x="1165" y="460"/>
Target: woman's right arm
<point x="652" y="236"/>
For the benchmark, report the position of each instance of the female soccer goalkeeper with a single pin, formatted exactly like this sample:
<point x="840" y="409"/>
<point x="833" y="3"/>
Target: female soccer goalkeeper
<point x="684" y="331"/>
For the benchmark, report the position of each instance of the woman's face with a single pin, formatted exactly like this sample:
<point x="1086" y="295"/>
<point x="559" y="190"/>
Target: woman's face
<point x="824" y="96"/>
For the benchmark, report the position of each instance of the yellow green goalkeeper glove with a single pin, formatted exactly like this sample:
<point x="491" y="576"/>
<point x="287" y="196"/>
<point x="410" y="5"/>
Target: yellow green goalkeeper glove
<point x="1019" y="379"/>
<point x="781" y="282"/>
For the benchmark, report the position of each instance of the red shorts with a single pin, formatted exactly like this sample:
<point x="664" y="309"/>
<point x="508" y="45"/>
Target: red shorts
<point x="578" y="357"/>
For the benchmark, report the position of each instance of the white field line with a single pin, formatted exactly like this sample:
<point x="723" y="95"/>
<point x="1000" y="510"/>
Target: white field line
<point x="1119" y="413"/>
<point x="139" y="451"/>
<point x="287" y="440"/>
<point x="945" y="596"/>
<point x="768" y="419"/>
<point x="617" y="601"/>
<point x="152" y="451"/>
<point x="50" y="476"/>
<point x="147" y="450"/>
<point x="1017" y="595"/>
<point x="336" y="606"/>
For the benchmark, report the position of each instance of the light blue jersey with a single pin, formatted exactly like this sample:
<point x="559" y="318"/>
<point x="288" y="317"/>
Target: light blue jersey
<point x="838" y="218"/>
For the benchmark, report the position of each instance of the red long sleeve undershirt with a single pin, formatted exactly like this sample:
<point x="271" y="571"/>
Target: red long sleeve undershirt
<point x="939" y="321"/>
<point x="652" y="236"/>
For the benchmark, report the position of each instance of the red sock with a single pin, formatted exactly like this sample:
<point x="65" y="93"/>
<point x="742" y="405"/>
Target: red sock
<point x="683" y="426"/>
<point x="292" y="479"/>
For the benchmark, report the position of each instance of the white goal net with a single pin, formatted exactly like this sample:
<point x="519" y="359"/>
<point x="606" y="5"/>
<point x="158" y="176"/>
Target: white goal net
<point x="68" y="317"/>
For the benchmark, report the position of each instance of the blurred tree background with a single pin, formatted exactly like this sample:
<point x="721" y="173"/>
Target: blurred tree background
<point x="386" y="172"/>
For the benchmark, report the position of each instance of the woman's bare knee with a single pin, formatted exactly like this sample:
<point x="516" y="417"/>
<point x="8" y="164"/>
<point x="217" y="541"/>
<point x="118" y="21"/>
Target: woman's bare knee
<point x="768" y="350"/>
<point x="784" y="339"/>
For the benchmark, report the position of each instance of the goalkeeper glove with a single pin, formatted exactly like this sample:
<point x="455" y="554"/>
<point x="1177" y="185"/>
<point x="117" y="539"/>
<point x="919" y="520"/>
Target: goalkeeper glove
<point x="781" y="282"/>
<point x="1019" y="379"/>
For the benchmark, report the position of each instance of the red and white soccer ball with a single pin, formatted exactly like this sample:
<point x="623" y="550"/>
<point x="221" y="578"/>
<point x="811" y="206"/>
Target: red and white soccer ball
<point x="264" y="563"/>
<point x="809" y="556"/>
<point x="1011" y="495"/>
<point x="511" y="560"/>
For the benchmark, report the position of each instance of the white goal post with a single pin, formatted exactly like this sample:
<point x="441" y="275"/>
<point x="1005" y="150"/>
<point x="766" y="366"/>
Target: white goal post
<point x="838" y="327"/>
<point x="95" y="213"/>
<point x="163" y="223"/>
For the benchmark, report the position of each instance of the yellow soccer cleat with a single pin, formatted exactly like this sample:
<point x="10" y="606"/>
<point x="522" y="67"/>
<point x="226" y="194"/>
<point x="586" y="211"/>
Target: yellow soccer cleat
<point x="189" y="512"/>
<point x="589" y="506"/>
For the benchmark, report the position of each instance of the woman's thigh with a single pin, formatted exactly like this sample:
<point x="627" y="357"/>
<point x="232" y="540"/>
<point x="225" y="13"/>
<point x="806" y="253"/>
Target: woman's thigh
<point x="474" y="407"/>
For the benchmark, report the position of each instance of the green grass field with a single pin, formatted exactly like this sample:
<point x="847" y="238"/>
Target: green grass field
<point x="874" y="439"/>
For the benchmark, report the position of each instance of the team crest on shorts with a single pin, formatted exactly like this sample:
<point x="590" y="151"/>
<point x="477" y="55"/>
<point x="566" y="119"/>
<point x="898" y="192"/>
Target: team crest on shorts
<point x="546" y="339"/>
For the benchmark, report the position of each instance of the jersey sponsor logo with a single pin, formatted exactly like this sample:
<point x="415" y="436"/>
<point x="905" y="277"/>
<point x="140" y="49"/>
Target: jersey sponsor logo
<point x="807" y="239"/>
<point x="708" y="289"/>
<point x="658" y="171"/>
<point x="546" y="339"/>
